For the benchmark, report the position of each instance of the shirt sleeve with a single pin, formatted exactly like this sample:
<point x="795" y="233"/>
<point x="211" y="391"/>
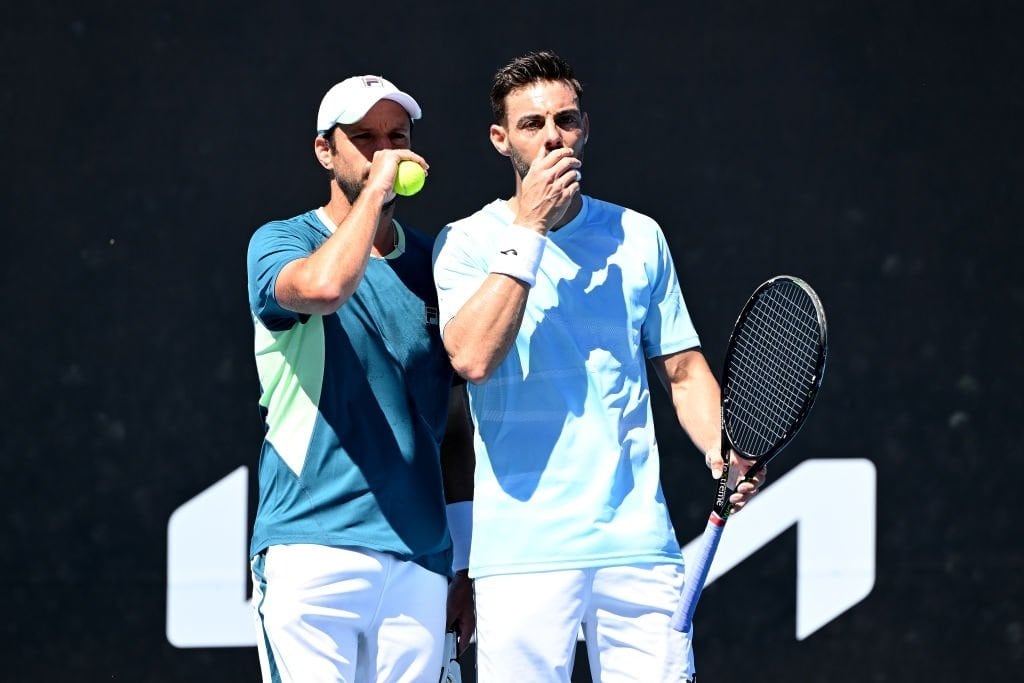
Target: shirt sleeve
<point x="270" y="249"/>
<point x="668" y="327"/>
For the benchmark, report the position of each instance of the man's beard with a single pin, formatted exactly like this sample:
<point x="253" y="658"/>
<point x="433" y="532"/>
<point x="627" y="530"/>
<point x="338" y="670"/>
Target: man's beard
<point x="352" y="190"/>
<point x="522" y="165"/>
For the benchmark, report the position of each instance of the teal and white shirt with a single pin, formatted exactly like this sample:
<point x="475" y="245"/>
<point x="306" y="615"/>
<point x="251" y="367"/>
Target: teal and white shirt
<point x="567" y="469"/>
<point x="355" y="403"/>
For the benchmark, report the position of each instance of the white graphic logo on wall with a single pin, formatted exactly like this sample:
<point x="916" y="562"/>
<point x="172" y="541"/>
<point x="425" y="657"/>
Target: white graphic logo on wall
<point x="207" y="545"/>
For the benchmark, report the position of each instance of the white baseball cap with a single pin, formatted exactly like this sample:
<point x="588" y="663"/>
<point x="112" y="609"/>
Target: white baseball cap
<point x="348" y="101"/>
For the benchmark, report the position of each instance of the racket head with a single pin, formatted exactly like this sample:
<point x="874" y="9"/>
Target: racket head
<point x="773" y="368"/>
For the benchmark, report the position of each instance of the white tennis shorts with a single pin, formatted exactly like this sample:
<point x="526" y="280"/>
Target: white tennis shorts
<point x="527" y="625"/>
<point x="346" y="615"/>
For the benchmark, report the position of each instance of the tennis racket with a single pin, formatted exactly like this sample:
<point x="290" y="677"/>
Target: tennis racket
<point x="773" y="368"/>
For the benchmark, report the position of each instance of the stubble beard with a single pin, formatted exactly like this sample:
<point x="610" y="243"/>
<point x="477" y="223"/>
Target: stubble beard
<point x="351" y="189"/>
<point x="522" y="165"/>
<point x="519" y="162"/>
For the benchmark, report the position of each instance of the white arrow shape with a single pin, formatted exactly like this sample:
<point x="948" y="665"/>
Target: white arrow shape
<point x="832" y="502"/>
<point x="207" y="605"/>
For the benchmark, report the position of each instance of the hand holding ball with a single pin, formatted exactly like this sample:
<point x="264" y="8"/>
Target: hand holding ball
<point x="409" y="178"/>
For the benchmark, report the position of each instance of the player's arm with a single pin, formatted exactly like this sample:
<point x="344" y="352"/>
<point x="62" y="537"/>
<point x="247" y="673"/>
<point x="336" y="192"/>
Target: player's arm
<point x="321" y="282"/>
<point x="457" y="463"/>
<point x="480" y="335"/>
<point x="696" y="401"/>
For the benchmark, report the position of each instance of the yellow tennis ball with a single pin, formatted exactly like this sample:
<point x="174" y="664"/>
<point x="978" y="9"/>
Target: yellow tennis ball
<point x="409" y="178"/>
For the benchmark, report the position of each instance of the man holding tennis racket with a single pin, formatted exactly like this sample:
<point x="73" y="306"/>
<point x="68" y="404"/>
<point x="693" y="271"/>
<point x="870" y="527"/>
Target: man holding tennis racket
<point x="351" y="553"/>
<point x="551" y="303"/>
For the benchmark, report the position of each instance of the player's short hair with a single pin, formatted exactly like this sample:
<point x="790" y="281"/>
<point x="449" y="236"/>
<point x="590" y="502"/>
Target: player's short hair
<point x="530" y="68"/>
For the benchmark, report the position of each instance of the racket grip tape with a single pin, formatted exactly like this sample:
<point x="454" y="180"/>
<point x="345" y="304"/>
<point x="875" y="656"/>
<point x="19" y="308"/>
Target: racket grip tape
<point x="697" y="575"/>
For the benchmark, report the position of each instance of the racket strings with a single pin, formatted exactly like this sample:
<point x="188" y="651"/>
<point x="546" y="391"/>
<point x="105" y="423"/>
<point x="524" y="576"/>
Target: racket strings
<point x="785" y="347"/>
<point x="773" y="369"/>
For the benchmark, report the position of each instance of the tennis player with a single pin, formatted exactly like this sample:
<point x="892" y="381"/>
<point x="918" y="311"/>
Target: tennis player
<point x="551" y="303"/>
<point x="351" y="552"/>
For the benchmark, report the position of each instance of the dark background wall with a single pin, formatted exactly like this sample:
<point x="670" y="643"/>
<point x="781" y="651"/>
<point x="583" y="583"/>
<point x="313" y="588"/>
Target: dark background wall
<point x="873" y="148"/>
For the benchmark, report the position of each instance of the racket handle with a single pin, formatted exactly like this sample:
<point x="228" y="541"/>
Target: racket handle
<point x="697" y="575"/>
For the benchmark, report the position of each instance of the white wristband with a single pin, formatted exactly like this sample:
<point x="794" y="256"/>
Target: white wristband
<point x="460" y="524"/>
<point x="519" y="252"/>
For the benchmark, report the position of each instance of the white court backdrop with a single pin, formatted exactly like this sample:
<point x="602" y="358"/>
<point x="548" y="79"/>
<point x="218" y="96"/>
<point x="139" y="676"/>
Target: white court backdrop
<point x="207" y="547"/>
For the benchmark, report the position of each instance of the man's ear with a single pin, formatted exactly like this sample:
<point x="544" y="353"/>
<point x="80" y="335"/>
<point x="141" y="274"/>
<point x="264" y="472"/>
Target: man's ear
<point x="499" y="138"/>
<point x="322" y="150"/>
<point x="586" y="128"/>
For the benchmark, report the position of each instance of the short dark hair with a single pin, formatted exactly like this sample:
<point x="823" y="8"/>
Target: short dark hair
<point x="530" y="68"/>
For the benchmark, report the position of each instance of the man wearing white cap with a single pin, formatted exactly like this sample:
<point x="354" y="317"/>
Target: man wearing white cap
<point x="351" y="552"/>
